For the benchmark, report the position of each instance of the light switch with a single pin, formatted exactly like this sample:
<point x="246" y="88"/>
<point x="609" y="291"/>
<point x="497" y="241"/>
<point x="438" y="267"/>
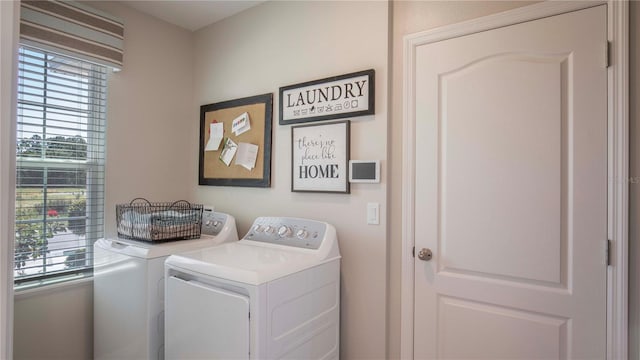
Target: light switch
<point x="373" y="213"/>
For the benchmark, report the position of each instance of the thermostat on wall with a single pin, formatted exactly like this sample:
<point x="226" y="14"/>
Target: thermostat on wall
<point x="364" y="171"/>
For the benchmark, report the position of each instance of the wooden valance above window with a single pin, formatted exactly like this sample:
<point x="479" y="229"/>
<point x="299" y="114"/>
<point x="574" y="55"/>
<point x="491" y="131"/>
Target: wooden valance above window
<point x="72" y="28"/>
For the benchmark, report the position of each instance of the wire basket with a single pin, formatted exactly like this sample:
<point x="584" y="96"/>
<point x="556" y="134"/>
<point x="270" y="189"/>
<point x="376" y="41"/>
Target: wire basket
<point x="147" y="221"/>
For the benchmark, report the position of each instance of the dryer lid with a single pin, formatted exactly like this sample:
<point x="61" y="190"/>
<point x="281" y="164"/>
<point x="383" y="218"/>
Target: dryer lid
<point x="247" y="262"/>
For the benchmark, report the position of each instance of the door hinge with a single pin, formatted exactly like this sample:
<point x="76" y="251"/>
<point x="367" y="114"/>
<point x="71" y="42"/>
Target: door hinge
<point x="608" y="254"/>
<point x="607" y="55"/>
<point x="413" y="252"/>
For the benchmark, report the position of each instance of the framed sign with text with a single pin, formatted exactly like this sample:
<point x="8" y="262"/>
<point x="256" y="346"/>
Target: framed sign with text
<point x="331" y="98"/>
<point x="320" y="157"/>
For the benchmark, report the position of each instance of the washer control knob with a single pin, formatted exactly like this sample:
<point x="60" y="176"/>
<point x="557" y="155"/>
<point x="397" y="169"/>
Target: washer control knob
<point x="302" y="234"/>
<point x="208" y="223"/>
<point x="269" y="229"/>
<point x="284" y="231"/>
<point x="258" y="228"/>
<point x="216" y="223"/>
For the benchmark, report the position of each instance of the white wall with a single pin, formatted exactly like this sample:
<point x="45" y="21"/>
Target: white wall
<point x="283" y="43"/>
<point x="9" y="15"/>
<point x="147" y="144"/>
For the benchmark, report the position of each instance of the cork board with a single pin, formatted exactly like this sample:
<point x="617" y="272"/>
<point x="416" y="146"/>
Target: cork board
<point x="212" y="170"/>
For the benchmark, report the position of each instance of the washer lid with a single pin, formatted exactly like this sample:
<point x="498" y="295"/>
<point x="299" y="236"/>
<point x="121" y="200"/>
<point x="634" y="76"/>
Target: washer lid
<point x="148" y="250"/>
<point x="247" y="261"/>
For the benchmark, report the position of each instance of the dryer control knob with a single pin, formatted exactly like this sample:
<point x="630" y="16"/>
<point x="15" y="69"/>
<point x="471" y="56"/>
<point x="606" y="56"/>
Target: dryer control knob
<point x="269" y="229"/>
<point x="302" y="234"/>
<point x="257" y="228"/>
<point x="284" y="231"/>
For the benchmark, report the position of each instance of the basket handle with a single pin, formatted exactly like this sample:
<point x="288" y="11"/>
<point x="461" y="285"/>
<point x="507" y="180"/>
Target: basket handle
<point x="178" y="202"/>
<point x="141" y="199"/>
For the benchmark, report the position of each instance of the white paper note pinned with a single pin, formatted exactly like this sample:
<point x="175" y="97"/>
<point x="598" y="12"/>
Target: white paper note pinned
<point x="228" y="151"/>
<point x="241" y="124"/>
<point x="216" y="131"/>
<point x="247" y="154"/>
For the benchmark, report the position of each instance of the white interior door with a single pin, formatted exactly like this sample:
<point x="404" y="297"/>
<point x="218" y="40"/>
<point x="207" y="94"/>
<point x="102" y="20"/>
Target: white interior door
<point x="511" y="192"/>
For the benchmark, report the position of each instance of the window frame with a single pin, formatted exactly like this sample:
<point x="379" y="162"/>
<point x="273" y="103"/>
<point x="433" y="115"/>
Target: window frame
<point x="93" y="166"/>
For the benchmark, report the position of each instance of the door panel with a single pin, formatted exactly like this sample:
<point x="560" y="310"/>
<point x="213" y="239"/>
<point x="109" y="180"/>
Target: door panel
<point x="550" y="333"/>
<point x="470" y="148"/>
<point x="511" y="164"/>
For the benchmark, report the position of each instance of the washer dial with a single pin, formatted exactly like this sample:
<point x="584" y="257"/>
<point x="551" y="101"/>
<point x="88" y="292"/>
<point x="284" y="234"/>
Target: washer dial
<point x="284" y="231"/>
<point x="302" y="234"/>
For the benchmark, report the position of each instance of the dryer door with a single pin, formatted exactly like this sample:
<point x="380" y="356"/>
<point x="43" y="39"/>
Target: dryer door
<point x="205" y="322"/>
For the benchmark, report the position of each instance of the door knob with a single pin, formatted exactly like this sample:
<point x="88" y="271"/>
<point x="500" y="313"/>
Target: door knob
<point x="425" y="254"/>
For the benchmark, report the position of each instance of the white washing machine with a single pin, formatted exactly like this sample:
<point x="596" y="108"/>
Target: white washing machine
<point x="128" y="289"/>
<point x="274" y="294"/>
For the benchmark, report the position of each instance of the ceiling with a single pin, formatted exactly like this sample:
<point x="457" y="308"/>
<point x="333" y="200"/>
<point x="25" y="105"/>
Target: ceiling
<point x="191" y="15"/>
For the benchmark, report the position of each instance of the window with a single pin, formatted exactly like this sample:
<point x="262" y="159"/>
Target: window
<point x="60" y="166"/>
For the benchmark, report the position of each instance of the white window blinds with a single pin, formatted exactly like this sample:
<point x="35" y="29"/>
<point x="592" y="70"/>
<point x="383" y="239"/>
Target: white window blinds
<point x="60" y="165"/>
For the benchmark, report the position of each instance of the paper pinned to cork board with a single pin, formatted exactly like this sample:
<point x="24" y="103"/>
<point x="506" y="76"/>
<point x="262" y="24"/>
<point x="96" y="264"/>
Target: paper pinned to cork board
<point x="228" y="151"/>
<point x="246" y="156"/>
<point x="241" y="124"/>
<point x="216" y="131"/>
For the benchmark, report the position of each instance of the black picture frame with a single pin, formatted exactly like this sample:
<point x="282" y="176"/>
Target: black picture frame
<point x="319" y="154"/>
<point x="366" y="107"/>
<point x="261" y="126"/>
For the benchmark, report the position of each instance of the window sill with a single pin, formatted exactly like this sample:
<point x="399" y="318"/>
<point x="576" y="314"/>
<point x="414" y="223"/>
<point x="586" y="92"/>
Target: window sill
<point x="50" y="286"/>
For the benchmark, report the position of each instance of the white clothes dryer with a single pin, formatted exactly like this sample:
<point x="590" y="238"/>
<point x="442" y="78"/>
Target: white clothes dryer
<point x="128" y="289"/>
<point x="274" y="294"/>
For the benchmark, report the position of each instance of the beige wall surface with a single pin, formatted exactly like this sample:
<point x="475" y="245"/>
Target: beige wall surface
<point x="54" y="324"/>
<point x="153" y="131"/>
<point x="148" y="103"/>
<point x="282" y="43"/>
<point x="634" y="185"/>
<point x="147" y="145"/>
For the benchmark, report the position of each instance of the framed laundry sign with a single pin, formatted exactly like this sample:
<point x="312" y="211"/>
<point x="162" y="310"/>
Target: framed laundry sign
<point x="320" y="157"/>
<point x="336" y="97"/>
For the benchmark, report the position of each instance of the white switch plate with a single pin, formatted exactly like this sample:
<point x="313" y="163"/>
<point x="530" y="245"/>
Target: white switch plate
<point x="373" y="213"/>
